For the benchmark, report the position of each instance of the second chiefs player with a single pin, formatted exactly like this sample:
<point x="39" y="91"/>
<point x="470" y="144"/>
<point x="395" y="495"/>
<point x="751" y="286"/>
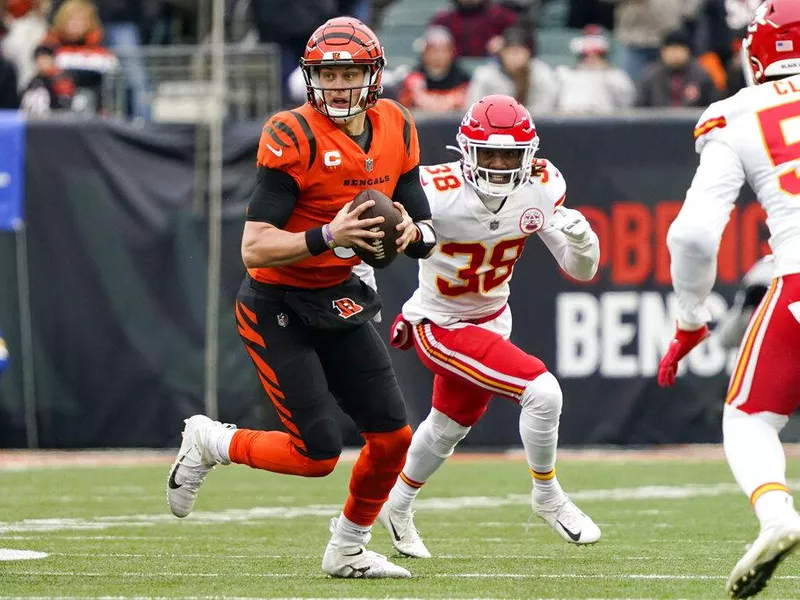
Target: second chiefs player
<point x="750" y="137"/>
<point x="484" y="209"/>
<point x="303" y="316"/>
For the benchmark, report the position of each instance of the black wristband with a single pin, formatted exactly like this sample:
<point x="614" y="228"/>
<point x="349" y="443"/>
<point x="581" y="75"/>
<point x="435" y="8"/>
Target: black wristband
<point x="316" y="241"/>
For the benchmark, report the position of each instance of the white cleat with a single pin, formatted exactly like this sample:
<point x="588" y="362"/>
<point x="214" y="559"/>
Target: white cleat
<point x="773" y="544"/>
<point x="193" y="463"/>
<point x="568" y="520"/>
<point x="404" y="534"/>
<point x="356" y="562"/>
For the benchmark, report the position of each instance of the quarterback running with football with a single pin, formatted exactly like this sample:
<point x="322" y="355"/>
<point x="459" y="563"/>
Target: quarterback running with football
<point x="753" y="137"/>
<point x="484" y="209"/>
<point x="303" y="316"/>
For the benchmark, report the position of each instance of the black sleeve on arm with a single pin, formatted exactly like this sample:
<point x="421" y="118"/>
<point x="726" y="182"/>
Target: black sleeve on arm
<point x="410" y="194"/>
<point x="273" y="198"/>
<point x="753" y="295"/>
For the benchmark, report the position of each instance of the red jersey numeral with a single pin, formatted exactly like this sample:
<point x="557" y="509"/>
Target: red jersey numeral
<point x="501" y="264"/>
<point x="443" y="182"/>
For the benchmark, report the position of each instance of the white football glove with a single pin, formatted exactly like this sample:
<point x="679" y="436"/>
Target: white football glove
<point x="572" y="224"/>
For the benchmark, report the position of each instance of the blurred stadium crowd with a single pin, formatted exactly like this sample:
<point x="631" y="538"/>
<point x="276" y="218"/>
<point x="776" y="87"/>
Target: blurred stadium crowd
<point x="555" y="56"/>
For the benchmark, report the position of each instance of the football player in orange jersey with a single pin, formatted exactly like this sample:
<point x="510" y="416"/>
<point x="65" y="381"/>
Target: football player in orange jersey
<point x="303" y="316"/>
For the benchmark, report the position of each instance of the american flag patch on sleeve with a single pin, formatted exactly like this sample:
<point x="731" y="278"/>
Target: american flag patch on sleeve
<point x="784" y="46"/>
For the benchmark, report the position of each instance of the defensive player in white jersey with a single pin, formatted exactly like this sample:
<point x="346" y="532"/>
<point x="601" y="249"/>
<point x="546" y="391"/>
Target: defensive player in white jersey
<point x="484" y="208"/>
<point x="753" y="136"/>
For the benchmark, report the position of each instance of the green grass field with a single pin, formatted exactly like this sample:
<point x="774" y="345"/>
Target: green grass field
<point x="672" y="528"/>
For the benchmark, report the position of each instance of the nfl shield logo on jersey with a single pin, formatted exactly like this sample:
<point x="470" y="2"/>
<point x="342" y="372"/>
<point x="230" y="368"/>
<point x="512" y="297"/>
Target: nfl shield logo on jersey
<point x="531" y="220"/>
<point x="369" y="164"/>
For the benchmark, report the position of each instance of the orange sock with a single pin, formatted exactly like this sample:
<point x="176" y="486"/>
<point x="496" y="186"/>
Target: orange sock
<point x="274" y="451"/>
<point x="378" y="465"/>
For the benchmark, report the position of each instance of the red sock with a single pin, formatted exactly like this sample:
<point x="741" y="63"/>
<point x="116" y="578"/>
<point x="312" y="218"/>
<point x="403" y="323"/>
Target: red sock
<point x="374" y="474"/>
<point x="274" y="451"/>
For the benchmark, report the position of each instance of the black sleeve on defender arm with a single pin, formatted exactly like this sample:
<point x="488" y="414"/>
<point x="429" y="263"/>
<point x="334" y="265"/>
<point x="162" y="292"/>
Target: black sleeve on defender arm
<point x="410" y="194"/>
<point x="273" y="198"/>
<point x="753" y="295"/>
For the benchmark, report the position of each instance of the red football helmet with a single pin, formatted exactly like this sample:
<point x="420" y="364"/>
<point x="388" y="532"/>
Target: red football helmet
<point x="772" y="45"/>
<point x="343" y="41"/>
<point x="497" y="121"/>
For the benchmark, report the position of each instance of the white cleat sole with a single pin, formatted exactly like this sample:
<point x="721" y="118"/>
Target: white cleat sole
<point x="751" y="574"/>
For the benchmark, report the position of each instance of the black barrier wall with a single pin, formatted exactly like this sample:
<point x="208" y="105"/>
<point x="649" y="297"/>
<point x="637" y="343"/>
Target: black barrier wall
<point x="117" y="262"/>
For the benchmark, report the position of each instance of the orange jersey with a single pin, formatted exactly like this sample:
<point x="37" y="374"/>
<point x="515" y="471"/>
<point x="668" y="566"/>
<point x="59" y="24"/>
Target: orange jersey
<point x="330" y="169"/>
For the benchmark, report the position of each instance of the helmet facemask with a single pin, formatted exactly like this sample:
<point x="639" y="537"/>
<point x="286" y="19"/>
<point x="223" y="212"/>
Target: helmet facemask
<point x="357" y="98"/>
<point x="497" y="183"/>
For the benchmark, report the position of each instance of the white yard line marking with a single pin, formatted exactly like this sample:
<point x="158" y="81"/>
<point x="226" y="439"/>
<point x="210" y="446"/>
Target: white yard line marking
<point x="173" y="574"/>
<point x="289" y="556"/>
<point x="9" y="554"/>
<point x="26" y="460"/>
<point x="248" y="516"/>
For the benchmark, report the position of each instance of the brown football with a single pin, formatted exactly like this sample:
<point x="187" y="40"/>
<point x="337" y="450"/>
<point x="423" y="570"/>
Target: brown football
<point x="387" y="248"/>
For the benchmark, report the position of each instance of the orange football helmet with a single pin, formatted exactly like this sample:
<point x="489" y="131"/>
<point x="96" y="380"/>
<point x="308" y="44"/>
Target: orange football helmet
<point x="343" y="41"/>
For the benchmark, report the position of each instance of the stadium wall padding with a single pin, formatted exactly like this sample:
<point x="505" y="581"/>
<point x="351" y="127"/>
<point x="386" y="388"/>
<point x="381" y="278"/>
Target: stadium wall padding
<point x="117" y="261"/>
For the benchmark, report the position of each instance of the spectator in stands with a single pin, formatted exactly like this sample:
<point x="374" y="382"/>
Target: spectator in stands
<point x="516" y="73"/>
<point x="476" y="26"/>
<point x="593" y="86"/>
<point x="711" y="41"/>
<point x="640" y="25"/>
<point x="27" y="26"/>
<point x="50" y="89"/>
<point x="289" y="24"/>
<point x="438" y="83"/>
<point x="124" y="24"/>
<point x="677" y="80"/>
<point x="76" y="39"/>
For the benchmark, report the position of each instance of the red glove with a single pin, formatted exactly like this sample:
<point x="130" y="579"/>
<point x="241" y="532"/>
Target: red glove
<point x="400" y="334"/>
<point x="680" y="346"/>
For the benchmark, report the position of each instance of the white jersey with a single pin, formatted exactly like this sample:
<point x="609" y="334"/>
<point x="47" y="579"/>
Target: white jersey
<point x="467" y="277"/>
<point x="753" y="137"/>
